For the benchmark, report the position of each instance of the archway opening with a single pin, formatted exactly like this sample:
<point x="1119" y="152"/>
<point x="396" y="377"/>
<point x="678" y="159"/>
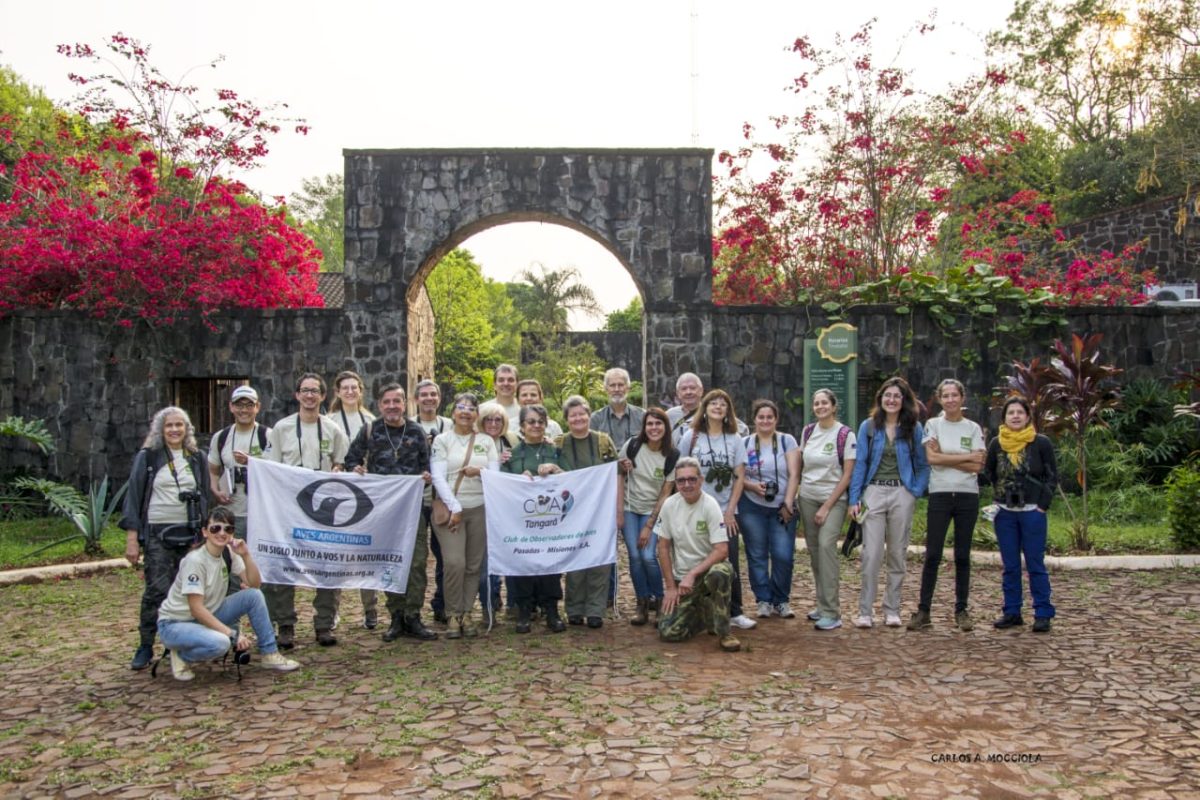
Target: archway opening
<point x="535" y="291"/>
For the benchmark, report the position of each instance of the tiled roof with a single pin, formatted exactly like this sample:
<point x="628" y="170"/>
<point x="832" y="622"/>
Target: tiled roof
<point x="332" y="286"/>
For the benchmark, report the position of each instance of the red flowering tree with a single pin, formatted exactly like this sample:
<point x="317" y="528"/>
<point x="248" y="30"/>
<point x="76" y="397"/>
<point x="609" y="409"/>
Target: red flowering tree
<point x="127" y="215"/>
<point x="877" y="181"/>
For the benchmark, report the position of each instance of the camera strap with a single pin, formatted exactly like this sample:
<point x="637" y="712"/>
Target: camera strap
<point x="300" y="444"/>
<point x="171" y="466"/>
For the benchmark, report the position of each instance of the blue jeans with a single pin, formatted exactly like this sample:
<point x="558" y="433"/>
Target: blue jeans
<point x="767" y="540"/>
<point x="195" y="642"/>
<point x="1024" y="533"/>
<point x="643" y="561"/>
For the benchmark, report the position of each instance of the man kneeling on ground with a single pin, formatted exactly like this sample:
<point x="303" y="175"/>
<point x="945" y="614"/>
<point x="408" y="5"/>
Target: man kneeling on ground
<point x="198" y="620"/>
<point x="693" y="549"/>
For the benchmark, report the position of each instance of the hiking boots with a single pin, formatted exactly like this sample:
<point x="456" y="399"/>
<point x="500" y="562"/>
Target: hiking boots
<point x="920" y="621"/>
<point x="964" y="622"/>
<point x="287" y="637"/>
<point x="640" y="616"/>
<point x="142" y="657"/>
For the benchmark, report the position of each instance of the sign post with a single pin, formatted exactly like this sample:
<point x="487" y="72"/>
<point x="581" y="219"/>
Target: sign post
<point x="831" y="362"/>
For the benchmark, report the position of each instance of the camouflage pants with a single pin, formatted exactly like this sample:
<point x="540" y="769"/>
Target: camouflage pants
<point x="706" y="608"/>
<point x="161" y="562"/>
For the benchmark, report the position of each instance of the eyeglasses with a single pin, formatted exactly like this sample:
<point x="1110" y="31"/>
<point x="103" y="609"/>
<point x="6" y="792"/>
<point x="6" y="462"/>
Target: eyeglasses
<point x="538" y="422"/>
<point x="464" y="407"/>
<point x="494" y="420"/>
<point x="244" y="404"/>
<point x="684" y="481"/>
<point x="308" y="391"/>
<point x="217" y="527"/>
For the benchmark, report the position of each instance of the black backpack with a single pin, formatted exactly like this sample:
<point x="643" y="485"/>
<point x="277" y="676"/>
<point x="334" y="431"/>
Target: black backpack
<point x="223" y="437"/>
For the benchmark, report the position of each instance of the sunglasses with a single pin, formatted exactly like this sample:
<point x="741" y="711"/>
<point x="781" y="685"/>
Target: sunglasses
<point x="217" y="527"/>
<point x="464" y="407"/>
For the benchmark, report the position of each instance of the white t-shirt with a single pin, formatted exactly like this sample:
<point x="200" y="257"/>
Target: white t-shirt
<point x="450" y="449"/>
<point x="953" y="438"/>
<point x="725" y="450"/>
<point x="432" y="428"/>
<point x="821" y="471"/>
<point x="644" y="484"/>
<point x="692" y="529"/>
<point x="513" y="410"/>
<point x="236" y="440"/>
<point x="202" y="573"/>
<point x="165" y="507"/>
<point x="352" y="421"/>
<point x="284" y="447"/>
<point x="769" y="465"/>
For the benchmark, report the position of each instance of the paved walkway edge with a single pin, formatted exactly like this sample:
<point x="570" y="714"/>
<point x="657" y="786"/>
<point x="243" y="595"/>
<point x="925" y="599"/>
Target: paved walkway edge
<point x="1180" y="561"/>
<point x="39" y="574"/>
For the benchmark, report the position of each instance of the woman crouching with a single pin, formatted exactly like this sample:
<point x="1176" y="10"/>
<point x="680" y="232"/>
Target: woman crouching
<point x="197" y="621"/>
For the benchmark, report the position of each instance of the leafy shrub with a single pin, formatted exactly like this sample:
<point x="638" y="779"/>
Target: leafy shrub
<point x="1146" y="426"/>
<point x="1183" y="506"/>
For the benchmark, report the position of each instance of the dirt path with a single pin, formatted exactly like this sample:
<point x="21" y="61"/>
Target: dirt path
<point x="1106" y="705"/>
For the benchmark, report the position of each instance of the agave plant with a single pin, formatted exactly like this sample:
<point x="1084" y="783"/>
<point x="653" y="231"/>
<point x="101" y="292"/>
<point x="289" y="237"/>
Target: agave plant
<point x="29" y="495"/>
<point x="91" y="520"/>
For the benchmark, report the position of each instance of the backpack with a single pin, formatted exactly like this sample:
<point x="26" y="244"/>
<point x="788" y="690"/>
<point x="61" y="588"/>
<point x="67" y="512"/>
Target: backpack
<point x="633" y="445"/>
<point x="843" y="435"/>
<point x="223" y="437"/>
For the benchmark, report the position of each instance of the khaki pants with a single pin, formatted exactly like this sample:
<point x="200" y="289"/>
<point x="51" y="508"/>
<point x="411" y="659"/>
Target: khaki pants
<point x="462" y="558"/>
<point x="888" y="522"/>
<point x="822" y="541"/>
<point x="587" y="591"/>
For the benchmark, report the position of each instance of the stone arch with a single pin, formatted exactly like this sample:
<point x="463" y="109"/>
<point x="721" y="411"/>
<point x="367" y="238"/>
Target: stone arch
<point x="650" y="208"/>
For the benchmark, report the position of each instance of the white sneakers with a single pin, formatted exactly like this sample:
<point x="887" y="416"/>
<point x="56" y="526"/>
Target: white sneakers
<point x="863" y="621"/>
<point x="892" y="621"/>
<point x="180" y="668"/>
<point x="785" y="610"/>
<point x="765" y="610"/>
<point x="278" y="661"/>
<point x="743" y="622"/>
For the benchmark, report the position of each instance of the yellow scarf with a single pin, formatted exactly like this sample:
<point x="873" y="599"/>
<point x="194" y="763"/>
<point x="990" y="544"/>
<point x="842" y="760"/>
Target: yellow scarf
<point x="1014" y="442"/>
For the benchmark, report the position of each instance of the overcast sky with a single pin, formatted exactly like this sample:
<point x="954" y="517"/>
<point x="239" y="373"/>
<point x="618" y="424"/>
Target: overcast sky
<point x="477" y="74"/>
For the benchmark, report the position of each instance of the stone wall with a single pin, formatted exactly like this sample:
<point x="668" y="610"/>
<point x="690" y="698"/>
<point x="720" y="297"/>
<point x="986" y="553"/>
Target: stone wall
<point x="758" y="352"/>
<point x="1175" y="256"/>
<point x="96" y="385"/>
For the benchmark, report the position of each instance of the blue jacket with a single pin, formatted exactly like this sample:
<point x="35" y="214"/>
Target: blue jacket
<point x="906" y="457"/>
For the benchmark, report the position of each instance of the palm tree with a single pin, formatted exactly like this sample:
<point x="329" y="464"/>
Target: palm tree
<point x="547" y="299"/>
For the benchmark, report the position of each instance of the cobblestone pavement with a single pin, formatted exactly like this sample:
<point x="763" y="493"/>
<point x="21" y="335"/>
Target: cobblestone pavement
<point x="1107" y="705"/>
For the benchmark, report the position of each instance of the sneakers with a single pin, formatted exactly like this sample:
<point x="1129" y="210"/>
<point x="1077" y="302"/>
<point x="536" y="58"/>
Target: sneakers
<point x="920" y="621"/>
<point x="287" y="637"/>
<point x="277" y="661"/>
<point x="964" y="622"/>
<point x="765" y="610"/>
<point x="743" y="622"/>
<point x="1041" y="625"/>
<point x="892" y="620"/>
<point x="784" y="610"/>
<point x="142" y="657"/>
<point x="180" y="668"/>
<point x="730" y="643"/>
<point x="863" y="621"/>
<point x="828" y="624"/>
<point x="1008" y="621"/>
<point x="814" y="615"/>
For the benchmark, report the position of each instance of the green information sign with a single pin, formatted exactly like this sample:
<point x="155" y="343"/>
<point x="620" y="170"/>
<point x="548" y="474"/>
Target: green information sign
<point x="831" y="362"/>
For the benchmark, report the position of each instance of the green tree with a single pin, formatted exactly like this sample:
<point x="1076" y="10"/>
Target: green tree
<point x="320" y="207"/>
<point x="549" y="295"/>
<point x="26" y="116"/>
<point x="627" y="319"/>
<point x="507" y="323"/>
<point x="464" y="339"/>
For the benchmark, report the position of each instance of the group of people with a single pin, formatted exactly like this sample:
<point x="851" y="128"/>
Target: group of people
<point x="695" y="481"/>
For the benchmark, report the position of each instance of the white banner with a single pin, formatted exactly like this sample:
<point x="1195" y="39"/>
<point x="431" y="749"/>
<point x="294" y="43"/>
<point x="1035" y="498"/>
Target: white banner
<point x="544" y="526"/>
<point x="332" y="530"/>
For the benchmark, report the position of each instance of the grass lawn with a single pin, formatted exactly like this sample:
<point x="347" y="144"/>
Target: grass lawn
<point x="1119" y="525"/>
<point x="18" y="539"/>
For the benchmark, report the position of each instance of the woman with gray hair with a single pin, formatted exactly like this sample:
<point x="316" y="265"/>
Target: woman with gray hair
<point x="163" y="512"/>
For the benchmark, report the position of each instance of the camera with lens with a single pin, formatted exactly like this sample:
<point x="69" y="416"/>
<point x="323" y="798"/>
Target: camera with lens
<point x="192" y="501"/>
<point x="239" y="476"/>
<point x="1014" y="497"/>
<point x="240" y="657"/>
<point x="770" y="491"/>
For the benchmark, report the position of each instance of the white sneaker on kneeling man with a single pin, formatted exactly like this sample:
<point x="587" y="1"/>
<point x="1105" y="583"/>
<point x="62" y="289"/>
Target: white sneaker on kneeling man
<point x="743" y="622"/>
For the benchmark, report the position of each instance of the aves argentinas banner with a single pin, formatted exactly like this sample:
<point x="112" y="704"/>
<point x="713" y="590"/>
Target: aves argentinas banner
<point x="332" y="530"/>
<point x="559" y="523"/>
